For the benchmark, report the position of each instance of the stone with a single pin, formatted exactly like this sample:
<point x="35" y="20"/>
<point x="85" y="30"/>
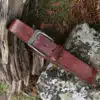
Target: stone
<point x="84" y="43"/>
<point x="64" y="96"/>
<point x="69" y="87"/>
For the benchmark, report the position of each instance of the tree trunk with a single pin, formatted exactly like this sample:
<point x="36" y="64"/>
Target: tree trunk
<point x="15" y="64"/>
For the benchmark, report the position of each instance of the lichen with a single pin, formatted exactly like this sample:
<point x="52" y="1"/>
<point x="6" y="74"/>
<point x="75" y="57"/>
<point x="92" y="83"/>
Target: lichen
<point x="84" y="43"/>
<point x="55" y="88"/>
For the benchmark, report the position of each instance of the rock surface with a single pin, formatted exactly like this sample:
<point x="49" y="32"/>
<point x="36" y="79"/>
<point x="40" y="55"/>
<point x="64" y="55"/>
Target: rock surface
<point x="56" y="84"/>
<point x="84" y="43"/>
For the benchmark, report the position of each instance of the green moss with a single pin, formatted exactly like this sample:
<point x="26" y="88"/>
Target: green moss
<point x="24" y="97"/>
<point x="3" y="88"/>
<point x="60" y="14"/>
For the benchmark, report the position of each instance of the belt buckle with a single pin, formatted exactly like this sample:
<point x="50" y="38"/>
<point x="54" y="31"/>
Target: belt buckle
<point x="34" y="38"/>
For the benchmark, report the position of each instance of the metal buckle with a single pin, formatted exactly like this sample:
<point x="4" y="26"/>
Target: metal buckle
<point x="34" y="37"/>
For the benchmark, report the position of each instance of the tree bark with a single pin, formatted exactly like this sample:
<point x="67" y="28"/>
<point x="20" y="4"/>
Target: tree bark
<point x="16" y="59"/>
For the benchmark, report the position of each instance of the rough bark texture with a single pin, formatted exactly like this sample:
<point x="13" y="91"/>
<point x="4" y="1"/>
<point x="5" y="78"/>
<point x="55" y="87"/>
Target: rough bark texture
<point x="16" y="60"/>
